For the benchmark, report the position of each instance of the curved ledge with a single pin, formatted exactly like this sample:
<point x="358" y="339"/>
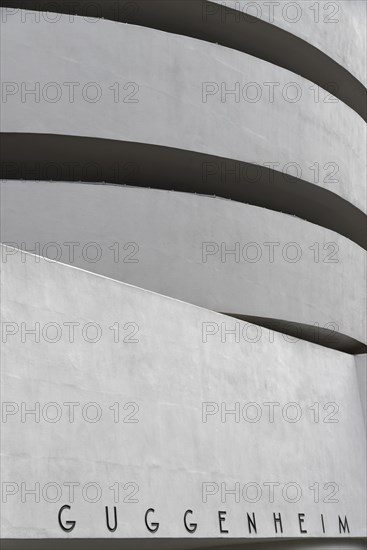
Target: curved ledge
<point x="321" y="143"/>
<point x="204" y="20"/>
<point x="71" y="158"/>
<point x="251" y="262"/>
<point x="327" y="338"/>
<point x="338" y="29"/>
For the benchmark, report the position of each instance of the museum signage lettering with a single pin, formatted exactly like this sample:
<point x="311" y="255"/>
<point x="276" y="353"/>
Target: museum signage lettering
<point x="152" y="525"/>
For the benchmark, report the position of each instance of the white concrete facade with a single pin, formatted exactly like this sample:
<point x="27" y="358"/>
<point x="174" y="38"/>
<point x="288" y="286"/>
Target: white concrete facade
<point x="185" y="97"/>
<point x="171" y="444"/>
<point x="222" y="255"/>
<point x="183" y="275"/>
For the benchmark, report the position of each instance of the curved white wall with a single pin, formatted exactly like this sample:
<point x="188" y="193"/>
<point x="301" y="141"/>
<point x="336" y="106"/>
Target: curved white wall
<point x="170" y="372"/>
<point x="180" y="246"/>
<point x="170" y="71"/>
<point x="309" y="39"/>
<point x="185" y="379"/>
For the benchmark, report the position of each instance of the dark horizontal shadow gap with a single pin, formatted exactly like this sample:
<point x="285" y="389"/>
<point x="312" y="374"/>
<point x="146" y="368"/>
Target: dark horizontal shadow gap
<point x="216" y="23"/>
<point x="170" y="543"/>
<point x="293" y="332"/>
<point x="46" y="157"/>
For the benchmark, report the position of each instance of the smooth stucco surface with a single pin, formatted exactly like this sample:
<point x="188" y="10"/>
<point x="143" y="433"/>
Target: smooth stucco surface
<point x="169" y="71"/>
<point x="319" y="41"/>
<point x="169" y="452"/>
<point x="225" y="256"/>
<point x="361" y="366"/>
<point x="154" y="204"/>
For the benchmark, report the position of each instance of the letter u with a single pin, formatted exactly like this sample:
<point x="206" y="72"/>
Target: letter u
<point x="112" y="529"/>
